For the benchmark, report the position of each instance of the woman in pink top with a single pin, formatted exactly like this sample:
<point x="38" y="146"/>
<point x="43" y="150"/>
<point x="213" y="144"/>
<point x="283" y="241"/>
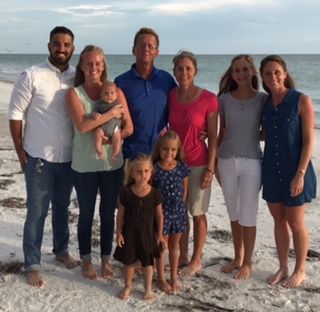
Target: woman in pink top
<point x="193" y="110"/>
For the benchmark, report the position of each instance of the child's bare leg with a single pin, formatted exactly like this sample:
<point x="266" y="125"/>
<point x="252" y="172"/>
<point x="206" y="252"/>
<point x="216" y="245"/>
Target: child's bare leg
<point x="34" y="279"/>
<point x="106" y="269"/>
<point x="128" y="272"/>
<point x="98" y="136"/>
<point x="116" y="144"/>
<point x="174" y="253"/>
<point x="147" y="274"/>
<point x="162" y="281"/>
<point x="184" y="245"/>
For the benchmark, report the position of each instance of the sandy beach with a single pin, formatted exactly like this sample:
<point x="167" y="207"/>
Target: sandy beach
<point x="208" y="290"/>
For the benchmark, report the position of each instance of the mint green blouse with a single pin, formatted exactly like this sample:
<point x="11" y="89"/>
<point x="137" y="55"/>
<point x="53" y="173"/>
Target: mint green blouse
<point x="84" y="158"/>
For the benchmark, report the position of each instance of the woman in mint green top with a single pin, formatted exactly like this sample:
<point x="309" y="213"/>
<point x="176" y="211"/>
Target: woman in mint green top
<point x="93" y="175"/>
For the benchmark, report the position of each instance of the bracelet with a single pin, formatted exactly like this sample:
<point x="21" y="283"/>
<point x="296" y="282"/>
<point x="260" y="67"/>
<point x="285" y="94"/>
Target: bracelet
<point x="209" y="170"/>
<point x="301" y="171"/>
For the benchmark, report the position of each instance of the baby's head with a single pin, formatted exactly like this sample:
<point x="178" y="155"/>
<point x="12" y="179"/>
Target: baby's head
<point x="108" y="92"/>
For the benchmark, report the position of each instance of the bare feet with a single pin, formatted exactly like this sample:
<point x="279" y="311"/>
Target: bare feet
<point x="34" y="279"/>
<point x="244" y="272"/>
<point x="183" y="262"/>
<point x="230" y="266"/>
<point x="164" y="286"/>
<point x="125" y="293"/>
<point x="175" y="286"/>
<point x="68" y="261"/>
<point x="148" y="296"/>
<point x="88" y="270"/>
<point x="106" y="269"/>
<point x="277" y="277"/>
<point x="114" y="156"/>
<point x="192" y="268"/>
<point x="295" y="280"/>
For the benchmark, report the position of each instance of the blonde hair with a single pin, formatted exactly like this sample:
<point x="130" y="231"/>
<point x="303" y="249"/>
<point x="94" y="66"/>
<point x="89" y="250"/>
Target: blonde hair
<point x="109" y="83"/>
<point x="169" y="135"/>
<point x="79" y="76"/>
<point x="132" y="164"/>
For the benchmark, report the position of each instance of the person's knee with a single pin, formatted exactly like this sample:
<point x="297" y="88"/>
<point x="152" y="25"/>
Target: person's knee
<point x="296" y="226"/>
<point x="280" y="221"/>
<point x="200" y="218"/>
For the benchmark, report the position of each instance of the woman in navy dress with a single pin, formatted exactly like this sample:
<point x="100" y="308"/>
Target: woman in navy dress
<point x="288" y="177"/>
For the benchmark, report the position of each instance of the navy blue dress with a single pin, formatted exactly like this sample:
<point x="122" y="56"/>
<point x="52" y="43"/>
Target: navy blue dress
<point x="283" y="145"/>
<point x="170" y="182"/>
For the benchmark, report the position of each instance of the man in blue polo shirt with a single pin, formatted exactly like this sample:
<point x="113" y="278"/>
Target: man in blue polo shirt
<point x="146" y="89"/>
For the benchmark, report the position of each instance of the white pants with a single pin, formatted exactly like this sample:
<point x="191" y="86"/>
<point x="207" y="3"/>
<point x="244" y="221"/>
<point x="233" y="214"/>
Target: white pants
<point x="241" y="183"/>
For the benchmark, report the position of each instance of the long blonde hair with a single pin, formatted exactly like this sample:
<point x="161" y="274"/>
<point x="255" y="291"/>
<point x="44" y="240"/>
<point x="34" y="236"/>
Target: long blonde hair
<point x="132" y="164"/>
<point x="79" y="76"/>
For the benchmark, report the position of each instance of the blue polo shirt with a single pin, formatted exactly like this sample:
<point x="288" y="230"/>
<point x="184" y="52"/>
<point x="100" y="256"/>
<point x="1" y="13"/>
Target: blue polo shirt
<point x="148" y="106"/>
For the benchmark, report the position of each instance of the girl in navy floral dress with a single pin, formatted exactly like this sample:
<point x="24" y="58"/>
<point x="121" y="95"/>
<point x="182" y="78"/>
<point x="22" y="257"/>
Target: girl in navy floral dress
<point x="171" y="177"/>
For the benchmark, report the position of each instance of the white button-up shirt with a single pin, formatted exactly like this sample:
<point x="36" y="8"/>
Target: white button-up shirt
<point x="38" y="98"/>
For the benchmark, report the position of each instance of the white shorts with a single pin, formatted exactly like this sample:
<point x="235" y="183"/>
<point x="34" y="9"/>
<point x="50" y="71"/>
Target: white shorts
<point x="241" y="183"/>
<point x="197" y="199"/>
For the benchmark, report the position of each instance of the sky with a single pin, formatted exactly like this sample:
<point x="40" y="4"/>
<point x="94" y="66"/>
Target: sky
<point x="203" y="26"/>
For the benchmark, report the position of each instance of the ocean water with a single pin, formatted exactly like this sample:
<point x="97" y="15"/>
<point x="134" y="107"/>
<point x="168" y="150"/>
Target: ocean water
<point x="303" y="68"/>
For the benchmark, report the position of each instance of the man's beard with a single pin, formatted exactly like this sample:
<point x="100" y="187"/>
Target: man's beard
<point x="58" y="60"/>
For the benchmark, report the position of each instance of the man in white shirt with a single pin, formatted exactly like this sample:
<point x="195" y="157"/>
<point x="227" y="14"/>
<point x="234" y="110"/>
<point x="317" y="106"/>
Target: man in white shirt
<point x="42" y="132"/>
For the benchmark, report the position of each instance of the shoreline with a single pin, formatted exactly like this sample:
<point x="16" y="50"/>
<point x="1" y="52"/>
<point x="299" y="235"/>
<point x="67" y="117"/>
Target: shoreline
<point x="6" y="87"/>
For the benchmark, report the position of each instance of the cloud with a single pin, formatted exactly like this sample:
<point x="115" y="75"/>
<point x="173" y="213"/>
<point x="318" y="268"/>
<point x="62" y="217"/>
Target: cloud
<point x="87" y="10"/>
<point x="179" y="8"/>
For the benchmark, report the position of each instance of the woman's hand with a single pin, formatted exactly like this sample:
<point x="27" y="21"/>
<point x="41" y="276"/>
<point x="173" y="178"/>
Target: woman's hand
<point x="206" y="178"/>
<point x="297" y="184"/>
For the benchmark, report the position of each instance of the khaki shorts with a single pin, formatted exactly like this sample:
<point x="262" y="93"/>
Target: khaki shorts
<point x="198" y="199"/>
